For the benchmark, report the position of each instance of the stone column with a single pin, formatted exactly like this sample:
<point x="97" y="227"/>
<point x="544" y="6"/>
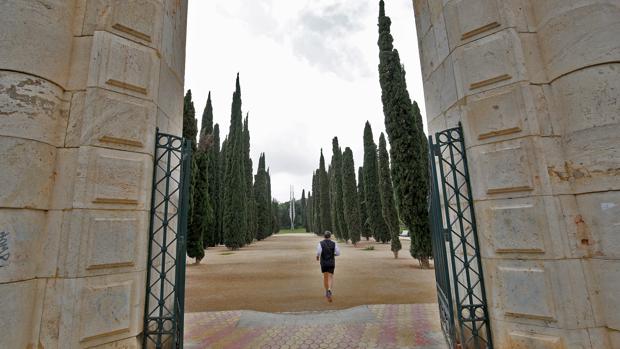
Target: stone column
<point x="536" y="85"/>
<point x="83" y="85"/>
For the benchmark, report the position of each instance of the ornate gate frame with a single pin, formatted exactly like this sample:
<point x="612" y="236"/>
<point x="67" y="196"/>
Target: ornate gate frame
<point x="463" y="289"/>
<point x="165" y="284"/>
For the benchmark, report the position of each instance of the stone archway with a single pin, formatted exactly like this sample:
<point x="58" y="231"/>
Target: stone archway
<point x="535" y="84"/>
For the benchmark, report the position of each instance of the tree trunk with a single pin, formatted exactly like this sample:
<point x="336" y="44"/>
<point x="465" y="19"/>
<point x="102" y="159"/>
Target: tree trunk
<point x="395" y="254"/>
<point x="425" y="263"/>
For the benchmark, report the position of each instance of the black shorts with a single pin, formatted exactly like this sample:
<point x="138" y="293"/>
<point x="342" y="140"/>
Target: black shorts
<point x="328" y="269"/>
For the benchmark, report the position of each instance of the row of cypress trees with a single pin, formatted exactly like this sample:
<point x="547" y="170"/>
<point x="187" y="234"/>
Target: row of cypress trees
<point x="354" y="208"/>
<point x="228" y="204"/>
<point x="408" y="144"/>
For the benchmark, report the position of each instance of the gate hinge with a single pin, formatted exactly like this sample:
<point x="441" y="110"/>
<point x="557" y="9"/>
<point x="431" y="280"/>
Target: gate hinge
<point x="435" y="149"/>
<point x="446" y="235"/>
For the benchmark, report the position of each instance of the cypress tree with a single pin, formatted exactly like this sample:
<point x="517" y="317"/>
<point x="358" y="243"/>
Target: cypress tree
<point x="223" y="163"/>
<point x="350" y="198"/>
<point x="361" y="193"/>
<point x="308" y="213"/>
<point x="276" y="220"/>
<point x="234" y="220"/>
<point x="275" y="226"/>
<point x="215" y="181"/>
<point x="316" y="202"/>
<point x="194" y="228"/>
<point x="325" y="207"/>
<point x="208" y="143"/>
<point x="250" y="206"/>
<point x="262" y="201"/>
<point x="339" y="221"/>
<point x="371" y="187"/>
<point x="409" y="158"/>
<point x="203" y="216"/>
<point x="302" y="213"/>
<point x="390" y="215"/>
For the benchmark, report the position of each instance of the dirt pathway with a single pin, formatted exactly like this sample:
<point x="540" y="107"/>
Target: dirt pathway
<point x="281" y="274"/>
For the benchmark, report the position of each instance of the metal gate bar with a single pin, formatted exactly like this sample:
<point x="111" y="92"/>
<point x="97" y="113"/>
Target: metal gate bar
<point x="165" y="285"/>
<point x="462" y="236"/>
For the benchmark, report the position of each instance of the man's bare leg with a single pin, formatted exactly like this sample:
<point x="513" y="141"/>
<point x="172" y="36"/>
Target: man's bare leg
<point x="326" y="281"/>
<point x="330" y="281"/>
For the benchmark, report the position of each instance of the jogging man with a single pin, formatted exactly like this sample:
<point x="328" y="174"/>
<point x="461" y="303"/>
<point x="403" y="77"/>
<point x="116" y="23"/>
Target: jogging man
<point x="326" y="252"/>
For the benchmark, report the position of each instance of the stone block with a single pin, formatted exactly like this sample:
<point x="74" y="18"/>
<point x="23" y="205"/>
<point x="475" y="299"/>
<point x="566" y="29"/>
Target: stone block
<point x="506" y="113"/>
<point x="170" y="98"/>
<point x="92" y="311"/>
<point x="441" y="89"/>
<point x="590" y="125"/>
<point x="592" y="38"/>
<point x="21" y="304"/>
<point x="550" y="293"/>
<point x="112" y="179"/>
<point x="117" y="121"/>
<point x="104" y="242"/>
<point x="123" y="66"/>
<point x="173" y="36"/>
<point x="524" y="228"/>
<point x="21" y="231"/>
<point x="422" y="17"/>
<point x="32" y="108"/>
<point x="46" y="27"/>
<point x="27" y="172"/>
<point x="519" y="336"/>
<point x="139" y="20"/>
<point x="607" y="287"/>
<point x="80" y="63"/>
<point x="600" y="215"/>
<point x="490" y="62"/>
<point x="64" y="178"/>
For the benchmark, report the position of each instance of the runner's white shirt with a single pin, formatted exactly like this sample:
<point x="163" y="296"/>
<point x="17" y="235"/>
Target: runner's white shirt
<point x="319" y="249"/>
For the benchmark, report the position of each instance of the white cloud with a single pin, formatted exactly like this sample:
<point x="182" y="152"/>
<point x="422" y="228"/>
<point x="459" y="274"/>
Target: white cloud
<point x="308" y="73"/>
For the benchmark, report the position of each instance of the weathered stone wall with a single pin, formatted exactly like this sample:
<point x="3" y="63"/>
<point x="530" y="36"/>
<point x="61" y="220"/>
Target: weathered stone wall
<point x="83" y="84"/>
<point x="537" y="86"/>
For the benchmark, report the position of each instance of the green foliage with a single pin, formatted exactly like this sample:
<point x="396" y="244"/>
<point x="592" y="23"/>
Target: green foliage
<point x="361" y="193"/>
<point x="324" y="204"/>
<point x="249" y="186"/>
<point x="262" y="201"/>
<point x="215" y="184"/>
<point x="371" y="188"/>
<point x="309" y="213"/>
<point x="390" y="215"/>
<point x="194" y="228"/>
<point x="302" y="213"/>
<point x="275" y="210"/>
<point x="409" y="156"/>
<point x="351" y="202"/>
<point x="369" y="248"/>
<point x="235" y="218"/>
<point x="211" y="145"/>
<point x="316" y="204"/>
<point x="338" y="221"/>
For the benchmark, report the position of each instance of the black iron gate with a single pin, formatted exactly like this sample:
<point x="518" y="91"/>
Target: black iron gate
<point x="460" y="282"/>
<point x="165" y="285"/>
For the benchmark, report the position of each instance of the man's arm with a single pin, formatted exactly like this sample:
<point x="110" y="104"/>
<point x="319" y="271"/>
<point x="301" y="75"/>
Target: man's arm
<point x="337" y="250"/>
<point x="319" y="250"/>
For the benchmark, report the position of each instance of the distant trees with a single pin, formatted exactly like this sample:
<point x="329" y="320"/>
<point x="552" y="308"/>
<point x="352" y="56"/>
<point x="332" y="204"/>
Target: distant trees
<point x="390" y="214"/>
<point x="339" y="225"/>
<point x="324" y="203"/>
<point x="228" y="204"/>
<point x="408" y="151"/>
<point x="195" y="248"/>
<point x="361" y="193"/>
<point x="351" y="201"/>
<point x="371" y="188"/>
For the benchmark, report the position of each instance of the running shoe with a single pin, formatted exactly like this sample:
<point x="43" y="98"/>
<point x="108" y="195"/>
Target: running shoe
<point x="329" y="295"/>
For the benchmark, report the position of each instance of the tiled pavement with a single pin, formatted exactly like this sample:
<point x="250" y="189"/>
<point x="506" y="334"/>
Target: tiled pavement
<point x="374" y="326"/>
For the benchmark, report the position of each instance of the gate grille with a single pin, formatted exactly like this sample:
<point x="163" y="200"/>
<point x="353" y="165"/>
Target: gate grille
<point x="165" y="288"/>
<point x="464" y="287"/>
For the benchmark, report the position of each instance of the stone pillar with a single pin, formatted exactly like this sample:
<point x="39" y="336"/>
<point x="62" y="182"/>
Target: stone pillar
<point x="536" y="85"/>
<point x="83" y="85"/>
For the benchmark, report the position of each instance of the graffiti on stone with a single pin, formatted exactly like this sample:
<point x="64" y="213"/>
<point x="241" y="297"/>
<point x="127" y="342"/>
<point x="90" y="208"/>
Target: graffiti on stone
<point x="4" y="249"/>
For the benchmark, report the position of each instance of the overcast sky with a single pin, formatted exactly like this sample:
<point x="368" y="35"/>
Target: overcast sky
<point x="308" y="73"/>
